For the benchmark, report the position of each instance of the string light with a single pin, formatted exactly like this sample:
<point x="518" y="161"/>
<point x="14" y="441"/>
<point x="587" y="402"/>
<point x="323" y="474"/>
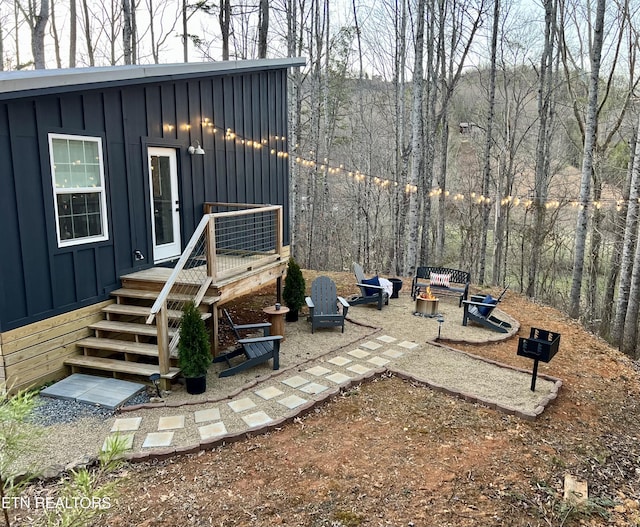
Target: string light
<point x="479" y="199"/>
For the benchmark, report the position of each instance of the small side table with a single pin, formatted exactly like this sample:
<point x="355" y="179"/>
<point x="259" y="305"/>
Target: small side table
<point x="276" y="317"/>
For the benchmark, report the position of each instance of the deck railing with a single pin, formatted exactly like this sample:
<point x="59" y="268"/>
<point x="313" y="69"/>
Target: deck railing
<point x="230" y="240"/>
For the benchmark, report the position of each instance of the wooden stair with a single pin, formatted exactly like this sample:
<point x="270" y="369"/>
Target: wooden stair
<point x="123" y="344"/>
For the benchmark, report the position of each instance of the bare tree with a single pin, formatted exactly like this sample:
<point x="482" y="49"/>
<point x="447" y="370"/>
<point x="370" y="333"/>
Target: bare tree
<point x="628" y="245"/>
<point x="486" y="176"/>
<point x="587" y="162"/>
<point x="224" y="18"/>
<point x="37" y="20"/>
<point x="546" y="112"/>
<point x="73" y="32"/>
<point x="417" y="145"/>
<point x="127" y="32"/>
<point x="263" y="28"/>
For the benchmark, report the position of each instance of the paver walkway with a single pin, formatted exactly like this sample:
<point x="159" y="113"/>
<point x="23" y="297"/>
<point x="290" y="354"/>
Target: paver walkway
<point x="168" y="430"/>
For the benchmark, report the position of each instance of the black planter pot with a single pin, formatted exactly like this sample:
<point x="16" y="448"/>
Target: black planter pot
<point x="292" y="315"/>
<point x="196" y="385"/>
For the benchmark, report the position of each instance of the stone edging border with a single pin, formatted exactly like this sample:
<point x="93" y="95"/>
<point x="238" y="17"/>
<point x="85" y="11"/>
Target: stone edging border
<point x="320" y="399"/>
<point x="250" y="384"/>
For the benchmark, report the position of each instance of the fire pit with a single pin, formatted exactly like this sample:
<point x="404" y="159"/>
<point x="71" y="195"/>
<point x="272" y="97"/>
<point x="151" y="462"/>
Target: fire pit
<point x="426" y="304"/>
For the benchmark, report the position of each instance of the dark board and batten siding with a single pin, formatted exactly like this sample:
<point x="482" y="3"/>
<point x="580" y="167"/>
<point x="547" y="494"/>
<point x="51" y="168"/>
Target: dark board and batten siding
<point x="37" y="278"/>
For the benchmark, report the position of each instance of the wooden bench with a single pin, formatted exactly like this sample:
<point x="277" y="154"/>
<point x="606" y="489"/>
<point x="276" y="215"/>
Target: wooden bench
<point x="458" y="282"/>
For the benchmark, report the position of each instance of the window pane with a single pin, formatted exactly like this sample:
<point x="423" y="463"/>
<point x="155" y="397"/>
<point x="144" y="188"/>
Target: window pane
<point x="92" y="203"/>
<point x="60" y="150"/>
<point x="95" y="224"/>
<point x="78" y="204"/>
<point x="66" y="228"/>
<point x="91" y="152"/>
<point x="76" y="152"/>
<point x="80" y="227"/>
<point x="63" y="175"/>
<point x="78" y="177"/>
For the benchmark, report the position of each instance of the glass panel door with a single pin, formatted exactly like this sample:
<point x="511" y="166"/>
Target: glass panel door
<point x="165" y="211"/>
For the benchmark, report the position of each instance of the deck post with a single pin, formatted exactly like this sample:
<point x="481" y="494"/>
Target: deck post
<point x="279" y="231"/>
<point x="211" y="247"/>
<point x="164" y="361"/>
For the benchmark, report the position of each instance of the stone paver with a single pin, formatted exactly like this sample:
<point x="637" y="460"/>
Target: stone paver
<point x="339" y="361"/>
<point x="386" y="338"/>
<point x="359" y="369"/>
<point x="296" y="381"/>
<point x="210" y="414"/>
<point x="371" y="345"/>
<point x="292" y="401"/>
<point x="126" y="424"/>
<point x="157" y="439"/>
<point x="124" y="440"/>
<point x="314" y="388"/>
<point x="268" y="393"/>
<point x="408" y="345"/>
<point x="379" y="361"/>
<point x="338" y="378"/>
<point x="173" y="422"/>
<point x="212" y="430"/>
<point x="240" y="405"/>
<point x="394" y="354"/>
<point x="318" y="371"/>
<point x="358" y="353"/>
<point x="256" y="419"/>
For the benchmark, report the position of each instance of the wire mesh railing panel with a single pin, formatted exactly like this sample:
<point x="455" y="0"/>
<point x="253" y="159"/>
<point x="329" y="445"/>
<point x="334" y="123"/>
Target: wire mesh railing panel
<point x="242" y="239"/>
<point x="186" y="287"/>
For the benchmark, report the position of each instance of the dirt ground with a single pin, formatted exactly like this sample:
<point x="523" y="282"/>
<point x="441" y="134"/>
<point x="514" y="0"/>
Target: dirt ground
<point x="389" y="453"/>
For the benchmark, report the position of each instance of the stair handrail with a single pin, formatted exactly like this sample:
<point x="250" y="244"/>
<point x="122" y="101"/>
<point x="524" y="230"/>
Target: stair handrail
<point x="184" y="257"/>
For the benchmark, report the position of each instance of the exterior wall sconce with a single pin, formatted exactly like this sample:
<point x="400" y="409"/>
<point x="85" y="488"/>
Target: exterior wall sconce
<point x="197" y="149"/>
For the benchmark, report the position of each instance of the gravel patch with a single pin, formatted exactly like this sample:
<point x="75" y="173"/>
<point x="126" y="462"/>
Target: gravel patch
<point x="49" y="411"/>
<point x="75" y="431"/>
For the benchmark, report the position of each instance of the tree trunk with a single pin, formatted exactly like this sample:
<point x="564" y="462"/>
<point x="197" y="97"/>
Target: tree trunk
<point x="587" y="164"/>
<point x="263" y="28"/>
<point x="56" y="36"/>
<point x="37" y="36"/>
<point x="628" y="245"/>
<point x="73" y="32"/>
<point x="486" y="177"/>
<point x="417" y="145"/>
<point x="185" y="33"/>
<point x="126" y="30"/>
<point x="87" y="33"/>
<point x="546" y="92"/>
<point x="225" y="24"/>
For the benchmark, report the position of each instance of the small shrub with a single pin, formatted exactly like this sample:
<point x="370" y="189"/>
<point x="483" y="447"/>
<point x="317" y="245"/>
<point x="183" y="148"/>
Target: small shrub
<point x="194" y="355"/>
<point x="294" y="286"/>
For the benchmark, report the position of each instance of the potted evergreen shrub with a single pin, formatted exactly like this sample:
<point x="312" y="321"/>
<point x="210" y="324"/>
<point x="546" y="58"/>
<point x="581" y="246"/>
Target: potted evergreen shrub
<point x="294" y="289"/>
<point x="194" y="356"/>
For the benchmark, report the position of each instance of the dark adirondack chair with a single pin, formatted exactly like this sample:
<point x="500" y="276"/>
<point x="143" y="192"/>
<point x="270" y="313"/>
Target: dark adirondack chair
<point x="323" y="305"/>
<point x="370" y="293"/>
<point x="256" y="350"/>
<point x="479" y="310"/>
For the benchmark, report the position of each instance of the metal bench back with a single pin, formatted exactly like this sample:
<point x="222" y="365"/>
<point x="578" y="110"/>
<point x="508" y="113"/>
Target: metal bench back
<point x="455" y="275"/>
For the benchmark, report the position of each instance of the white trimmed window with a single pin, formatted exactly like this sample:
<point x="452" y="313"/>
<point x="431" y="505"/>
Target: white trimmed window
<point x="77" y="171"/>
